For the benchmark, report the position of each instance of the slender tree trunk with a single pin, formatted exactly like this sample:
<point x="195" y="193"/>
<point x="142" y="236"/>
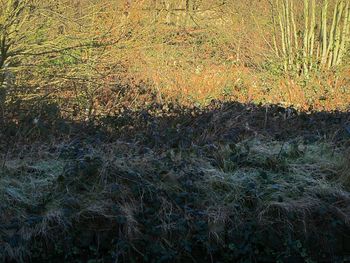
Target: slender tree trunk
<point x="169" y="5"/>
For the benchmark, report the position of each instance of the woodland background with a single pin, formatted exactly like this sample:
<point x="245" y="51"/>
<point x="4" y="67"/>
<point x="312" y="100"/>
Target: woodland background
<point x="174" y="131"/>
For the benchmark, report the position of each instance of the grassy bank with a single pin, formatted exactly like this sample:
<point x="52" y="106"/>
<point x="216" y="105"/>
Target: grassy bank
<point x="174" y="131"/>
<point x="182" y="190"/>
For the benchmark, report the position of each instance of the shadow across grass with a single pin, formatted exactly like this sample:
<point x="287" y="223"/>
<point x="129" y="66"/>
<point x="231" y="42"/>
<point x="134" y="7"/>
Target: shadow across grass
<point x="172" y="125"/>
<point x="225" y="183"/>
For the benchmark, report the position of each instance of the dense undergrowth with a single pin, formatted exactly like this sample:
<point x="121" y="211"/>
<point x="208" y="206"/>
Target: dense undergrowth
<point x="172" y="185"/>
<point x="174" y="131"/>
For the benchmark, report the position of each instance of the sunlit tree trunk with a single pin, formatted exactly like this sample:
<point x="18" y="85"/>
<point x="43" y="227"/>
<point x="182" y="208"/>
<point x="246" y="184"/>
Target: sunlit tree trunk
<point x="169" y="6"/>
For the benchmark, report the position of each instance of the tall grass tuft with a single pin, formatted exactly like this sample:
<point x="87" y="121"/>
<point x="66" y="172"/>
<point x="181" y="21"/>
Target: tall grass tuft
<point x="314" y="41"/>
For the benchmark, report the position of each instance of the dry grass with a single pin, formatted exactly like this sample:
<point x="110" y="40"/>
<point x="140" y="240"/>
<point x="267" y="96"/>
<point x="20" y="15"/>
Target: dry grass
<point x="172" y="181"/>
<point x="258" y="179"/>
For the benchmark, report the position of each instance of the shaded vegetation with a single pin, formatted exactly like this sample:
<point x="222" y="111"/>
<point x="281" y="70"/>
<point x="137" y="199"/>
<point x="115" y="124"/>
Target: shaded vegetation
<point x="249" y="189"/>
<point x="174" y="131"/>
